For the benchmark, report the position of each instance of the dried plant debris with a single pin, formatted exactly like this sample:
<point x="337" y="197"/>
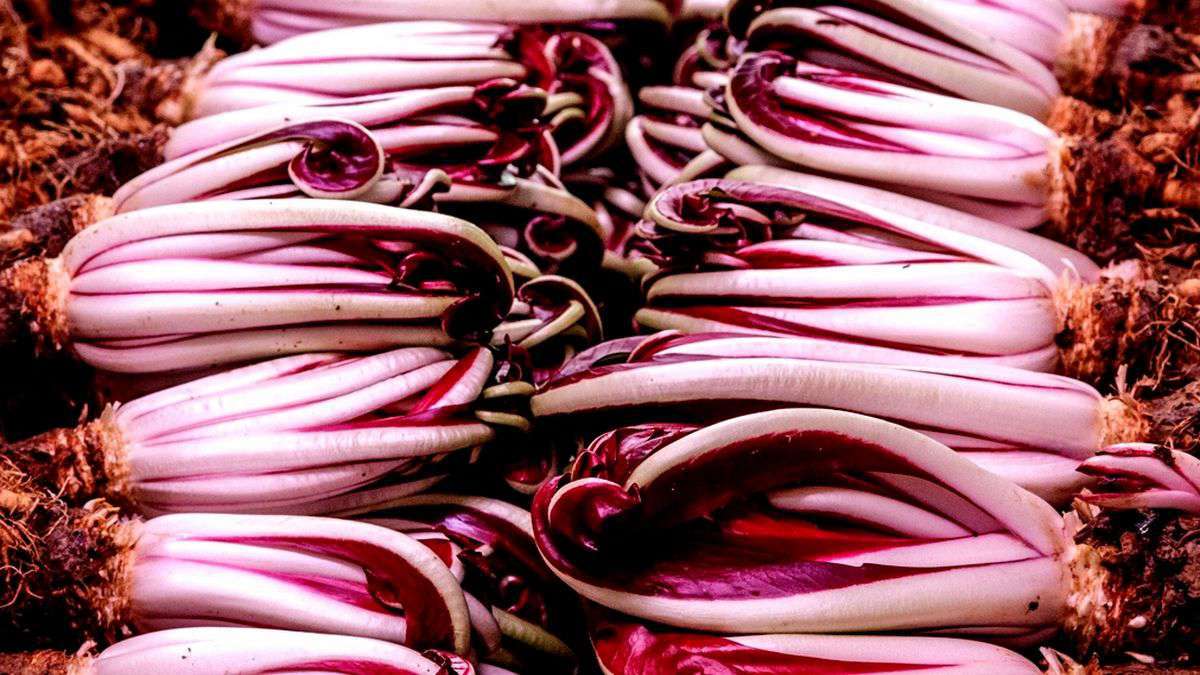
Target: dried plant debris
<point x="1157" y="555"/>
<point x="82" y="96"/>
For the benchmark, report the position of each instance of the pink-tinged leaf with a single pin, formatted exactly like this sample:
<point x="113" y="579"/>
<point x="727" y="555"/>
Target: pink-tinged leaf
<point x="687" y="539"/>
<point x="625" y="646"/>
<point x="258" y="651"/>
<point x="1144" y="476"/>
<point x="1030" y="427"/>
<point x="300" y="433"/>
<point x="852" y="125"/>
<point x="816" y="260"/>
<point x="183" y="286"/>
<point x="298" y="573"/>
<point x="924" y="46"/>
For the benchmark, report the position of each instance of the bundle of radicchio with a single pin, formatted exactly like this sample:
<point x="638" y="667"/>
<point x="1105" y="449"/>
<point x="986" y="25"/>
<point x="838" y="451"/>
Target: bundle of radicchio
<point x="980" y="158"/>
<point x="472" y="133"/>
<point x="522" y="617"/>
<point x="475" y="152"/>
<point x="634" y="30"/>
<point x="1033" y="428"/>
<point x="305" y="434"/>
<point x="195" y="285"/>
<point x="819" y="521"/>
<point x="88" y="573"/>
<point x="1001" y="53"/>
<point x="251" y="651"/>
<point x="588" y="103"/>
<point x="773" y="252"/>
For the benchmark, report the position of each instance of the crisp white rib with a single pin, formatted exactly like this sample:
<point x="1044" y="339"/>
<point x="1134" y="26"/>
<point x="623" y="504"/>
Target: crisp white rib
<point x="234" y="527"/>
<point x="214" y="349"/>
<point x="943" y="655"/>
<point x="1065" y="421"/>
<point x="166" y="589"/>
<point x="1002" y="77"/>
<point x="213" y="245"/>
<point x="264" y="452"/>
<point x="366" y="110"/>
<point x="213" y="650"/>
<point x="888" y="280"/>
<point x="332" y="410"/>
<point x="986" y="549"/>
<point x="268" y="215"/>
<point x="986" y="595"/>
<point x="1059" y="259"/>
<point x="251" y="557"/>
<point x="157" y="314"/>
<point x="191" y="177"/>
<point x="212" y="275"/>
<point x="249" y="493"/>
<point x="860" y="506"/>
<point x="128" y="414"/>
<point x="343" y="378"/>
<point x="988" y="328"/>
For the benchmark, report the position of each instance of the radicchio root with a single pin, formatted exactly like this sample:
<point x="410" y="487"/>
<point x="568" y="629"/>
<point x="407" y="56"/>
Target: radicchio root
<point x="32" y="299"/>
<point x="1122" y="180"/>
<point x="1140" y="324"/>
<point x="45" y="662"/>
<point x="44" y="230"/>
<point x="66" y="571"/>
<point x="84" y="461"/>
<point x="1148" y="564"/>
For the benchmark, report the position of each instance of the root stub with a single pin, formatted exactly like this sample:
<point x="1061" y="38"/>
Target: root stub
<point x="1112" y="61"/>
<point x="65" y="573"/>
<point x="1144" y="322"/>
<point x="45" y="230"/>
<point x="76" y="464"/>
<point x="32" y="299"/>
<point x="45" y="662"/>
<point x="1118" y="180"/>
<point x="1149" y="565"/>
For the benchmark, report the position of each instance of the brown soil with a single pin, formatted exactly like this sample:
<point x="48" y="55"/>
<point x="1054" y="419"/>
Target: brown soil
<point x="83" y="89"/>
<point x="228" y="18"/>
<point x="1183" y="14"/>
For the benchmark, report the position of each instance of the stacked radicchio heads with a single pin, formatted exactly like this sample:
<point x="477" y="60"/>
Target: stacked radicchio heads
<point x="589" y="103"/>
<point x="189" y="286"/>
<point x="627" y="336"/>
<point x="803" y="520"/>
<point x="521" y="616"/>
<point x="304" y="434"/>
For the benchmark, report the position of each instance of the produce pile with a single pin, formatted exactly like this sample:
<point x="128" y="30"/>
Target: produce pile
<point x="581" y="336"/>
